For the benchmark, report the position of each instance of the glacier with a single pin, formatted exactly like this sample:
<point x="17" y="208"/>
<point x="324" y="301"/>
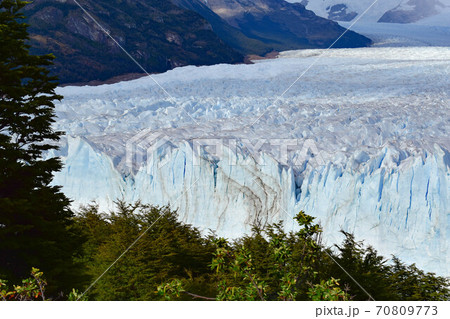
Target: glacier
<point x="360" y="141"/>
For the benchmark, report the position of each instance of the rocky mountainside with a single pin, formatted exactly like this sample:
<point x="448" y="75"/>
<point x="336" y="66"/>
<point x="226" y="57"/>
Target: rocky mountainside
<point x="158" y="34"/>
<point x="229" y="34"/>
<point x="279" y="24"/>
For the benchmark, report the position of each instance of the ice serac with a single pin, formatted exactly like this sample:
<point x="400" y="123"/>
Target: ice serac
<point x="368" y="152"/>
<point x="89" y="174"/>
<point x="399" y="206"/>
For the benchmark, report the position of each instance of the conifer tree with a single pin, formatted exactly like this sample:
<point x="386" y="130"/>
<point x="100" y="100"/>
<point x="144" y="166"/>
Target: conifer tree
<point x="34" y="215"/>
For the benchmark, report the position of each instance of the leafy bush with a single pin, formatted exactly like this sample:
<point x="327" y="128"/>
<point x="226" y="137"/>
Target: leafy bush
<point x="32" y="288"/>
<point x="269" y="265"/>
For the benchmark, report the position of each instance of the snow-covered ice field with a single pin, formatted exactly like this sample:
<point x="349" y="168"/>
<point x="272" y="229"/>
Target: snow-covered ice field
<point x="375" y="122"/>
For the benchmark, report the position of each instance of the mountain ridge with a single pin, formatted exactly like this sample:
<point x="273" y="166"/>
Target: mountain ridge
<point x="279" y="24"/>
<point x="158" y="35"/>
<point x="229" y="34"/>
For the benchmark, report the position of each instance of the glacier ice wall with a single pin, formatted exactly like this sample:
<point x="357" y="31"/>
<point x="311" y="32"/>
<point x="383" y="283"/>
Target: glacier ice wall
<point x="398" y="206"/>
<point x="378" y="120"/>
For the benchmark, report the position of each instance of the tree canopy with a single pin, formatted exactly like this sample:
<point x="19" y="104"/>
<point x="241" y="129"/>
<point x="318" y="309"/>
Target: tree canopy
<point x="175" y="261"/>
<point x="35" y="218"/>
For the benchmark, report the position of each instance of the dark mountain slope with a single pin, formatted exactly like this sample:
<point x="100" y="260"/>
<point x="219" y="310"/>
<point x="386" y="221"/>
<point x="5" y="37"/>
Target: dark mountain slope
<point x="282" y="25"/>
<point x="158" y="34"/>
<point x="229" y="34"/>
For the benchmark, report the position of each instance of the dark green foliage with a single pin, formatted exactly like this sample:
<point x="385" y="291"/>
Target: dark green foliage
<point x="412" y="284"/>
<point x="268" y="265"/>
<point x="286" y="262"/>
<point x="364" y="265"/>
<point x="173" y="261"/>
<point x="382" y="279"/>
<point x="166" y="249"/>
<point x="34" y="216"/>
<point x="273" y="265"/>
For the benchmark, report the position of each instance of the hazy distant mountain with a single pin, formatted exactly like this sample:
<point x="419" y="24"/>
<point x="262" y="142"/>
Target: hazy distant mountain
<point x="412" y="11"/>
<point x="392" y="11"/>
<point x="158" y="34"/>
<point x="275" y="23"/>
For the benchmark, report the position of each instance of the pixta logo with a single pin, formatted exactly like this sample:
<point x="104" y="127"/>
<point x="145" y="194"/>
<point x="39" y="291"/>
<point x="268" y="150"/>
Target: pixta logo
<point x="147" y="148"/>
<point x="152" y="150"/>
<point x="291" y="152"/>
